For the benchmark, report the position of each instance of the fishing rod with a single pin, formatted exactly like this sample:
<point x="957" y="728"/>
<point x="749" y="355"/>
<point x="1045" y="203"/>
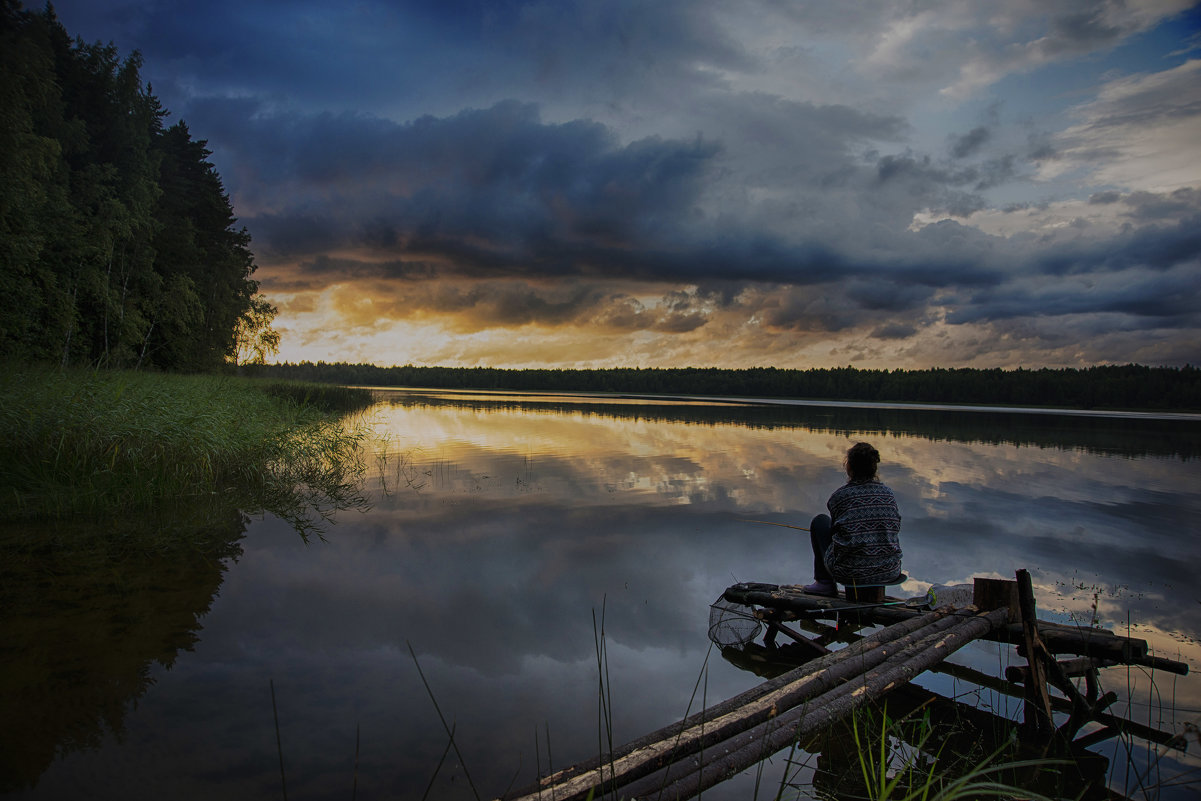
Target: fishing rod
<point x="781" y="525"/>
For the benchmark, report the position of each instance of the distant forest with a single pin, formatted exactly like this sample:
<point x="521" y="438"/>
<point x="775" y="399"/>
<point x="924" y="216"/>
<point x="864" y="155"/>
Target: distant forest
<point x="1113" y="387"/>
<point x="118" y="245"/>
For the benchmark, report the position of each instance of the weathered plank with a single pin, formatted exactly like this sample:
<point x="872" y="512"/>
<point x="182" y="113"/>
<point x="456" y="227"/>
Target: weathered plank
<point x="753" y="745"/>
<point x="623" y="770"/>
<point x="1059" y="638"/>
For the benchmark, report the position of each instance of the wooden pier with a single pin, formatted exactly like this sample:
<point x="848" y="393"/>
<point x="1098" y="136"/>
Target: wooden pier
<point x="687" y="757"/>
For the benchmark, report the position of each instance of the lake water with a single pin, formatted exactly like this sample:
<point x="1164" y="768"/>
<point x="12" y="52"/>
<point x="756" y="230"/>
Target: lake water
<point x="504" y="531"/>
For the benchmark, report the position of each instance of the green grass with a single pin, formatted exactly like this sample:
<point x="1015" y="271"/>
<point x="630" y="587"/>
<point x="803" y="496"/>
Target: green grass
<point x="326" y="397"/>
<point x="105" y="443"/>
<point x="916" y="774"/>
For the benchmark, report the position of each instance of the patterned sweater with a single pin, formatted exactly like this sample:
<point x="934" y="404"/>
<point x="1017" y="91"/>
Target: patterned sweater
<point x="865" y="528"/>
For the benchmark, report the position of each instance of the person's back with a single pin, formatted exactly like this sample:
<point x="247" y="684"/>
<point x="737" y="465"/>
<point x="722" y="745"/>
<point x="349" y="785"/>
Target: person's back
<point x="859" y="541"/>
<point x="865" y="533"/>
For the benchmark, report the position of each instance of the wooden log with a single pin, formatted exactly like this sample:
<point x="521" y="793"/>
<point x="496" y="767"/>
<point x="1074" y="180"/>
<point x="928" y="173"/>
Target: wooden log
<point x="773" y="627"/>
<point x="1092" y="682"/>
<point x="616" y="772"/>
<point x="651" y="752"/>
<point x="989" y="593"/>
<point x="1059" y="638"/>
<point x="1080" y="666"/>
<point x="1081" y="708"/>
<point x="1100" y="735"/>
<point x="1061" y="705"/>
<point x="811" y="605"/>
<point x="755" y="744"/>
<point x="1038" y="714"/>
<point x="1161" y="663"/>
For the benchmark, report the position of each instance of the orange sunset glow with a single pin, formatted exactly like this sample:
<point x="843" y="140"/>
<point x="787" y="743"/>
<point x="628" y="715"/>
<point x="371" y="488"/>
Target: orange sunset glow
<point x="590" y="184"/>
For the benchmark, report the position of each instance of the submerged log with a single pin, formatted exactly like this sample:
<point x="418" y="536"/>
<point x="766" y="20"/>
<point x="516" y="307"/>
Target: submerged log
<point x="703" y="731"/>
<point x="753" y="745"/>
<point x="1063" y="705"/>
<point x="679" y="760"/>
<point x="1080" y="666"/>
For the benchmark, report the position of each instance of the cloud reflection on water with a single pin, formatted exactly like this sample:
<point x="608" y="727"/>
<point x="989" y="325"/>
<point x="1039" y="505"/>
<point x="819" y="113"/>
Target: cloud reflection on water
<point x="498" y="532"/>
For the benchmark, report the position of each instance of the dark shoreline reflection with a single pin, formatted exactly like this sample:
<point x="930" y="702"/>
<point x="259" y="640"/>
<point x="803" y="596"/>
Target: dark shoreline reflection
<point x="1121" y="436"/>
<point x="85" y="615"/>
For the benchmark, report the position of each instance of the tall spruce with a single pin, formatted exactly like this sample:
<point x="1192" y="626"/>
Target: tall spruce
<point x="118" y="243"/>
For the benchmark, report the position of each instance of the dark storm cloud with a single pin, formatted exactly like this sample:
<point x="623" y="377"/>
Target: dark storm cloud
<point x="1081" y="31"/>
<point x="498" y="176"/>
<point x="894" y="331"/>
<point x="888" y="309"/>
<point x="888" y="296"/>
<point x="497" y="191"/>
<point x="378" y="146"/>
<point x="1157" y="247"/>
<point x="323" y="269"/>
<point x="1150" y="206"/>
<point x="436" y="57"/>
<point x="969" y="143"/>
<point x="1144" y="280"/>
<point x="923" y="177"/>
<point x="1148" y="300"/>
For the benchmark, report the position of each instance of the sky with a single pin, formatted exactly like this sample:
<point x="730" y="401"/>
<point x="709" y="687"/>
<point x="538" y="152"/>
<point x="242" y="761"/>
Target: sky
<point x="729" y="183"/>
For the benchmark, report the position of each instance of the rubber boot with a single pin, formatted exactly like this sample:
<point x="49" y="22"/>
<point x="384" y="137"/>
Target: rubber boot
<point x="828" y="588"/>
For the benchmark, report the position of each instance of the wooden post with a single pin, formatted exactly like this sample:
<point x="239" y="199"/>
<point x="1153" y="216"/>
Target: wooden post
<point x="989" y="593"/>
<point x="865" y="595"/>
<point x="1038" y="701"/>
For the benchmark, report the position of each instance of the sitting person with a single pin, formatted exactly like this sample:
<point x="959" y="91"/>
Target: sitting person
<point x="858" y="543"/>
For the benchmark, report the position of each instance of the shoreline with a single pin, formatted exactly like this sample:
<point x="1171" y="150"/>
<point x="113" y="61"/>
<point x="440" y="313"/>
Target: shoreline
<point x="736" y="400"/>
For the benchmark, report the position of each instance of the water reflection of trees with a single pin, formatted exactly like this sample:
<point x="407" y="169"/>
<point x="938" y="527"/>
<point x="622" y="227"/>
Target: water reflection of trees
<point x="87" y="612"/>
<point x="88" y="607"/>
<point x="1122" y="436"/>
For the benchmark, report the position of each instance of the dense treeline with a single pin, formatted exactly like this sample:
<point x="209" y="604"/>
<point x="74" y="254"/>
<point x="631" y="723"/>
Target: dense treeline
<point x="118" y="244"/>
<point x="1111" y="387"/>
<point x="1135" y="437"/>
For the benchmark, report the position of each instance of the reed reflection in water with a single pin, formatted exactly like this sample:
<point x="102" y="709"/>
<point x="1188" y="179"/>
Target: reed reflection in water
<point x="502" y="526"/>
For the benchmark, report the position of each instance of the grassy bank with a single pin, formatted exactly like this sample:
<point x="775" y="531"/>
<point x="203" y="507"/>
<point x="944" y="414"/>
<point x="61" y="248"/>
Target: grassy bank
<point x="104" y="443"/>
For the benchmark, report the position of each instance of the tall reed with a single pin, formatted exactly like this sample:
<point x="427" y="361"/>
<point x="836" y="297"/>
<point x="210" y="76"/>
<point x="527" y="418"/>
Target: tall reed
<point x="893" y="773"/>
<point x="104" y="443"/>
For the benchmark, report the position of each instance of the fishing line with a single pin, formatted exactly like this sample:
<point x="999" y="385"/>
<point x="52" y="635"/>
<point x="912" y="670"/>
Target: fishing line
<point x="781" y="525"/>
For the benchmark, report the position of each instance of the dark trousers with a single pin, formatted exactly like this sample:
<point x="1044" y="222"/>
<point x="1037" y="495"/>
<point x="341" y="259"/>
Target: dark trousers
<point x="820" y="537"/>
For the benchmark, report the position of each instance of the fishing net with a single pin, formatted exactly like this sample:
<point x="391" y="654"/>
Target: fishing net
<point x="732" y="624"/>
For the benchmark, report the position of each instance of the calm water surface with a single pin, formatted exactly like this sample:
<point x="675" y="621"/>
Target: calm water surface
<point x="503" y="530"/>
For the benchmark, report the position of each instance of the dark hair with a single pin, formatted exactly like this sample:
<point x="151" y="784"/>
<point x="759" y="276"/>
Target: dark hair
<point x="861" y="461"/>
